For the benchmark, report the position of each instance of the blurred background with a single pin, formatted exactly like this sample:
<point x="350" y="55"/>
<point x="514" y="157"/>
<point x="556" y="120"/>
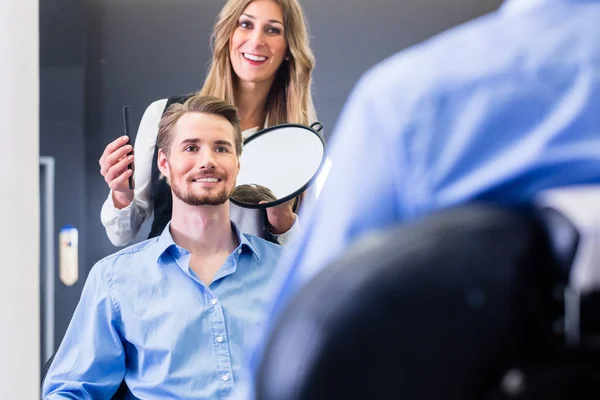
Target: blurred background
<point x="96" y="56"/>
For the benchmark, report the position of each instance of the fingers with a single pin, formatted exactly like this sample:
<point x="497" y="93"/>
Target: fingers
<point x="111" y="159"/>
<point x="118" y="169"/>
<point x="112" y="146"/>
<point x="120" y="180"/>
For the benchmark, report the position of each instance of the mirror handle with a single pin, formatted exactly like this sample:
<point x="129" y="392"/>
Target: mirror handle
<point x="320" y="126"/>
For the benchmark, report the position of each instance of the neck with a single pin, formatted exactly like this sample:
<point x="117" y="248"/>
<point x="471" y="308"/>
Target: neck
<point x="250" y="99"/>
<point x="202" y="230"/>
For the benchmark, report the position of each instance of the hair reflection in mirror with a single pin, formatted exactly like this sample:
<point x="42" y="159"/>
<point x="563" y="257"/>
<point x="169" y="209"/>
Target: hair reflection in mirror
<point x="253" y="194"/>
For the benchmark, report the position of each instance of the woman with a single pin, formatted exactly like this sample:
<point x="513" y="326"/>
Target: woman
<point x="262" y="64"/>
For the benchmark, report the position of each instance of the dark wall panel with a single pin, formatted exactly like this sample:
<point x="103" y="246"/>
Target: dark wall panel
<point x="62" y="134"/>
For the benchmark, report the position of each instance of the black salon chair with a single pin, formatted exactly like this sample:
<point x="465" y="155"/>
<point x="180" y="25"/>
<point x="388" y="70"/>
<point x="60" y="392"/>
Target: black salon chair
<point x="465" y="304"/>
<point x="121" y="393"/>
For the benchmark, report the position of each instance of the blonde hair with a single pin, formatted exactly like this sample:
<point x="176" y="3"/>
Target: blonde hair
<point x="290" y="97"/>
<point x="201" y="104"/>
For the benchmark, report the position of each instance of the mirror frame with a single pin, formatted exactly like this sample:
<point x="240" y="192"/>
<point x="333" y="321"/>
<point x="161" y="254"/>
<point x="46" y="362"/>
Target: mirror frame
<point x="307" y="184"/>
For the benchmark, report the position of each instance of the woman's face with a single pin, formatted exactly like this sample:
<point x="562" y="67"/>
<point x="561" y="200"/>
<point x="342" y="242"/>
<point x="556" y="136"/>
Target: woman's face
<point x="258" y="46"/>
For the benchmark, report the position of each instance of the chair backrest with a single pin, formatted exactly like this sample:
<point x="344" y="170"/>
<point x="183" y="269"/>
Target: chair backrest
<point x="460" y="305"/>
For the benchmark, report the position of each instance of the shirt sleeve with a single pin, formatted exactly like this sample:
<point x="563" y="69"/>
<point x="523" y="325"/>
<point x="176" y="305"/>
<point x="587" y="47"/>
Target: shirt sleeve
<point x="90" y="362"/>
<point x="122" y="225"/>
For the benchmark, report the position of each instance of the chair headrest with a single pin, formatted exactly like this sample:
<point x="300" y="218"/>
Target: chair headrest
<point x="572" y="217"/>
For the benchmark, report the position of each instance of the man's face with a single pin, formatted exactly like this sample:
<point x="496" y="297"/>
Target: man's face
<point x="202" y="165"/>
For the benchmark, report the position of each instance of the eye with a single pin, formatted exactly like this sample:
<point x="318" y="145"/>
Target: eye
<point x="273" y="31"/>
<point x="191" y="148"/>
<point x="222" y="149"/>
<point x="246" y="24"/>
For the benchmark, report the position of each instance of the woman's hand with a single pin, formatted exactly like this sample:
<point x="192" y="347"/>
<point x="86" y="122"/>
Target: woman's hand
<point x="281" y="217"/>
<point x="113" y="167"/>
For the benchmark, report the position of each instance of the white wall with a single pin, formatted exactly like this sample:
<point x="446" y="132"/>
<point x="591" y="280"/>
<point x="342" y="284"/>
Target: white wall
<point x="19" y="198"/>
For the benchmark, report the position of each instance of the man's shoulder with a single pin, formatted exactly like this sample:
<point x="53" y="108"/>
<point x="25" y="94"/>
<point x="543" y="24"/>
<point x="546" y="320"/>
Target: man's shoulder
<point x="135" y="256"/>
<point x="457" y="53"/>
<point x="491" y="47"/>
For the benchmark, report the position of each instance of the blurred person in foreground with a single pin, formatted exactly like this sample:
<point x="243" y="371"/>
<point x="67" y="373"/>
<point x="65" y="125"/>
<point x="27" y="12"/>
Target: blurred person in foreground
<point x="495" y="110"/>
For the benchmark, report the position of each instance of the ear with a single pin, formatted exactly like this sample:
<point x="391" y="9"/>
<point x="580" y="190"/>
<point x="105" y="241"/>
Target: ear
<point x="163" y="164"/>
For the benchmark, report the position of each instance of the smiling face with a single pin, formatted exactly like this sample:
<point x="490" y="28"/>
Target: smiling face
<point x="202" y="164"/>
<point x="258" y="45"/>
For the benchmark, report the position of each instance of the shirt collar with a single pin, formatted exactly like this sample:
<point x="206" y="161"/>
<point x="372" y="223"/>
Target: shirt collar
<point x="249" y="132"/>
<point x="165" y="242"/>
<point x="244" y="243"/>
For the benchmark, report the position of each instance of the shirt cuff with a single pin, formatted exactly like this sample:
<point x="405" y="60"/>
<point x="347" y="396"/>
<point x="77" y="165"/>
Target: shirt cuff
<point x="285" y="237"/>
<point x="111" y="214"/>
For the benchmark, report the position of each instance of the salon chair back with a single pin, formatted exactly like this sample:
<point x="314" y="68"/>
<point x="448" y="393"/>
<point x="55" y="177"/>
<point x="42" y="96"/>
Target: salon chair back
<point x="465" y="304"/>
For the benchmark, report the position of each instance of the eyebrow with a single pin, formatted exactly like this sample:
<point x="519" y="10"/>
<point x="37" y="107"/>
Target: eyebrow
<point x="188" y="141"/>
<point x="224" y="143"/>
<point x="196" y="141"/>
<point x="273" y="21"/>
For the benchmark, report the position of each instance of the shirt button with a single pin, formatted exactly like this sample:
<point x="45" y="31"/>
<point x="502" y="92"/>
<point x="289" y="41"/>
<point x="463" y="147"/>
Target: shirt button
<point x="239" y="251"/>
<point x="220" y="339"/>
<point x="213" y="301"/>
<point x="225" y="378"/>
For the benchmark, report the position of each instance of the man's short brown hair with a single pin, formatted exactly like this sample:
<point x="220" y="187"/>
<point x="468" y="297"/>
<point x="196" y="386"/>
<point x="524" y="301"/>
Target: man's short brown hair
<point x="202" y="104"/>
<point x="253" y="194"/>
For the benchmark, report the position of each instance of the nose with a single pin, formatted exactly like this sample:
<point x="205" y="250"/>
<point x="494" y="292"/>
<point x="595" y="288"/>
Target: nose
<point x="257" y="37"/>
<point x="206" y="158"/>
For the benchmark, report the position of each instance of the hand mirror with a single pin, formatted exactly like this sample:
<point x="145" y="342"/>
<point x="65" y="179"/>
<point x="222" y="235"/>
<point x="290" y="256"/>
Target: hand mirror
<point x="278" y="164"/>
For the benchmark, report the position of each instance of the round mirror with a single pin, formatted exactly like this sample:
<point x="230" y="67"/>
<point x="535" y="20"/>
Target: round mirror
<point x="278" y="164"/>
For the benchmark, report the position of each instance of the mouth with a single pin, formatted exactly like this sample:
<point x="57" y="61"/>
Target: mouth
<point x="207" y="180"/>
<point x="254" y="59"/>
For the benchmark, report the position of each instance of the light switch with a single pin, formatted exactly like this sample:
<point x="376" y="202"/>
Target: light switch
<point x="68" y="255"/>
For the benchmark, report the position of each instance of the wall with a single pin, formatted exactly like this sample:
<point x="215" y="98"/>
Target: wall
<point x="62" y="132"/>
<point x="19" y="178"/>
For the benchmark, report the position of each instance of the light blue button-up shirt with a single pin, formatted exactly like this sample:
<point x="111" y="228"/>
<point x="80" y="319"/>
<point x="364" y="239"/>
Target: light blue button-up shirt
<point x="144" y="316"/>
<point x="497" y="109"/>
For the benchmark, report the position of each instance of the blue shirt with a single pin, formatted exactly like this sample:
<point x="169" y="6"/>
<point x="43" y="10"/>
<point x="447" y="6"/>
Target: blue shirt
<point x="497" y="109"/>
<point x="144" y="316"/>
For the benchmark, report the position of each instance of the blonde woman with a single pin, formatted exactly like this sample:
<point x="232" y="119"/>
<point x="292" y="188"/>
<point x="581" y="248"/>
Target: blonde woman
<point x="262" y="63"/>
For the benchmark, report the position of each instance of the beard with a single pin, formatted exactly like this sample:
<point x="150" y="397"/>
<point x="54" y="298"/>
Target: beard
<point x="206" y="199"/>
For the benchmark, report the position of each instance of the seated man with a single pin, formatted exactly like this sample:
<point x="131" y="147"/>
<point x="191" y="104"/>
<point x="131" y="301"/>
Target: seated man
<point x="173" y="315"/>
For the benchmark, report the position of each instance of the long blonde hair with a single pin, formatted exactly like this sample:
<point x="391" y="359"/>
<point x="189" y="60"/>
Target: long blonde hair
<point x="290" y="97"/>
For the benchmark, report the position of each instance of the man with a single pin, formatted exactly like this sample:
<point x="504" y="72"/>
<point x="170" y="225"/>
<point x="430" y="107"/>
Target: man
<point x="171" y="316"/>
<point x="498" y="109"/>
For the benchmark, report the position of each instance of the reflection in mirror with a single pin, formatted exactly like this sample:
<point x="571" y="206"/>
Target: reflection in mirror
<point x="253" y="194"/>
<point x="278" y="164"/>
